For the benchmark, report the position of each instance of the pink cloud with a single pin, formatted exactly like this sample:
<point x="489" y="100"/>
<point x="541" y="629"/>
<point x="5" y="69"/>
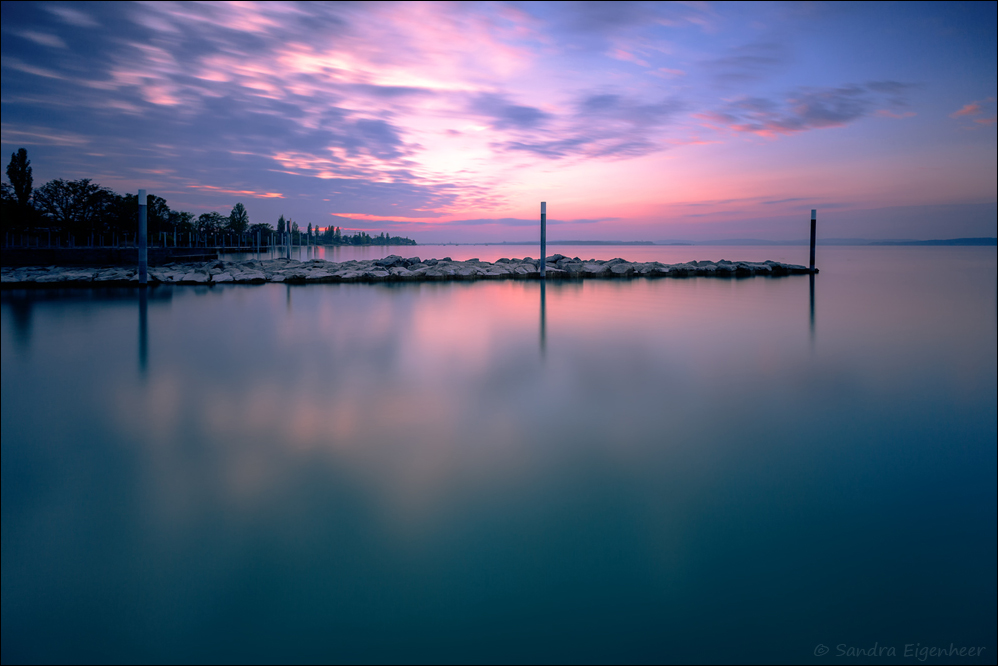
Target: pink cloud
<point x="666" y="73"/>
<point x="983" y="107"/>
<point x="621" y="54"/>
<point x="249" y="193"/>
<point x="972" y="109"/>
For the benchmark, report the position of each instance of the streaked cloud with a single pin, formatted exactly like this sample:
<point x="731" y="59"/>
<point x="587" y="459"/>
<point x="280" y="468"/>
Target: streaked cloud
<point x="46" y="136"/>
<point x="45" y="39"/>
<point x="748" y="62"/>
<point x="71" y="16"/>
<point x="239" y="193"/>
<point x="808" y="109"/>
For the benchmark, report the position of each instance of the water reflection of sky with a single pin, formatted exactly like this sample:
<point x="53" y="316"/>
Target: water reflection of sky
<point x="647" y="468"/>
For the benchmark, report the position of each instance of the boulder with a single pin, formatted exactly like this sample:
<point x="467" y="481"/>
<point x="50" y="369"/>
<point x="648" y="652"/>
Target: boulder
<point x="390" y="261"/>
<point x="595" y="270"/>
<point x="621" y="270"/>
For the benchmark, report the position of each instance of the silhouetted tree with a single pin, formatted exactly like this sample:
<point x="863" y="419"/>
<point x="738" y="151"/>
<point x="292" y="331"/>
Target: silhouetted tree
<point x="212" y="222"/>
<point x="238" y="219"/>
<point x="121" y="213"/>
<point x="334" y="236"/>
<point x="19" y="173"/>
<point x="181" y="221"/>
<point x="9" y="203"/>
<point x="309" y="232"/>
<point x="157" y="215"/>
<point x="16" y="202"/>
<point x="75" y="205"/>
<point x="281" y="225"/>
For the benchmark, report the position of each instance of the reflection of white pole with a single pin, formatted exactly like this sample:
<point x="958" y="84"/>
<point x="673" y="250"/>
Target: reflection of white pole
<point x="143" y="330"/>
<point x="544" y="237"/>
<point x="143" y="252"/>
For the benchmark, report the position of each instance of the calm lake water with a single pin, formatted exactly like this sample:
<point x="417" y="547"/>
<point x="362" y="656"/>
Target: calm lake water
<point x="651" y="470"/>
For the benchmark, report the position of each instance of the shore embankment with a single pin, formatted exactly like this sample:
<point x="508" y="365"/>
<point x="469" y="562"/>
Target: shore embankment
<point x="389" y="269"/>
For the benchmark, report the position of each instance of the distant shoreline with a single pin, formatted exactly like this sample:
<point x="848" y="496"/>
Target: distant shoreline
<point x="986" y="241"/>
<point x="951" y="242"/>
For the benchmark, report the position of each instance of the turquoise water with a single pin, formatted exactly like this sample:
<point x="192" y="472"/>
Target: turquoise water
<point x="651" y="470"/>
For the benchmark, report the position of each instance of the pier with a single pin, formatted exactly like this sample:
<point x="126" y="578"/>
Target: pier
<point x="390" y="269"/>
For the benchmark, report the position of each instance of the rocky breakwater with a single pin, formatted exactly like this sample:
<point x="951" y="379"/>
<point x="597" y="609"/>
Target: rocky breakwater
<point x="389" y="269"/>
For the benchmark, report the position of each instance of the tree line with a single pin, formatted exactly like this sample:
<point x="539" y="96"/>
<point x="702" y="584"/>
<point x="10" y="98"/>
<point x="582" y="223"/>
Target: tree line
<point x="82" y="207"/>
<point x="335" y="236"/>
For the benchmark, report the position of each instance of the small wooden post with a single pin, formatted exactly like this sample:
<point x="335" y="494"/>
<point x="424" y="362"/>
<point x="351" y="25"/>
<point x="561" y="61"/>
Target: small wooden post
<point x="544" y="238"/>
<point x="814" y="217"/>
<point x="142" y="241"/>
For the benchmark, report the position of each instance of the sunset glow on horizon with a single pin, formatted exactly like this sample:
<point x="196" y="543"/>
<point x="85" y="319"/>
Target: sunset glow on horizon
<point x="451" y="122"/>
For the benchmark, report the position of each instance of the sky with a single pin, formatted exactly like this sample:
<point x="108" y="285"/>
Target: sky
<point x="452" y="122"/>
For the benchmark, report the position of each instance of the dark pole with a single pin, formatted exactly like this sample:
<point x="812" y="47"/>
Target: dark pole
<point x="143" y="331"/>
<point x="543" y="318"/>
<point x="811" y="278"/>
<point x="143" y="249"/>
<point x="814" y="216"/>
<point x="544" y="237"/>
